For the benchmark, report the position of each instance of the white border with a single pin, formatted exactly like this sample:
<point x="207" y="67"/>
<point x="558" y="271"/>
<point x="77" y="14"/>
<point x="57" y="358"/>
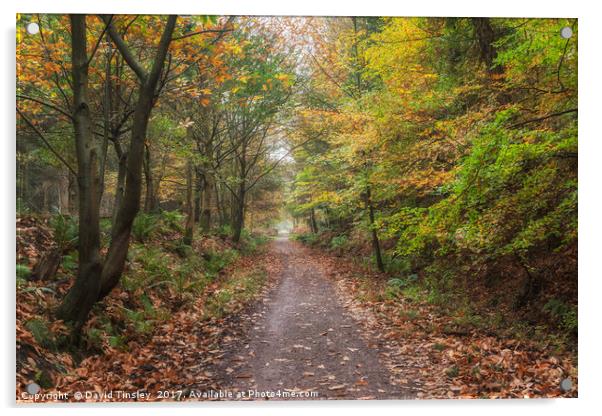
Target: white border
<point x="507" y="8"/>
<point x="590" y="180"/>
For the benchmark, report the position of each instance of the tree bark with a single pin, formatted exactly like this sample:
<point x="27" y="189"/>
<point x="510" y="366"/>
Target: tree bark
<point x="189" y="229"/>
<point x="198" y="192"/>
<point x="107" y="107"/>
<point x="64" y="192"/>
<point x="220" y="206"/>
<point x="208" y="188"/>
<point x="47" y="265"/>
<point x="149" y="200"/>
<point x="239" y="197"/>
<point x="375" y="241"/>
<point x="84" y="292"/>
<point x="121" y="171"/>
<point x="208" y="185"/>
<point x="312" y="221"/>
<point x="130" y="205"/>
<point x="239" y="214"/>
<point x="486" y="38"/>
<point x="73" y="208"/>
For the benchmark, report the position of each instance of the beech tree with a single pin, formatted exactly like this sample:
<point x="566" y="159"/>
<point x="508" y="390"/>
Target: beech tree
<point x="96" y="278"/>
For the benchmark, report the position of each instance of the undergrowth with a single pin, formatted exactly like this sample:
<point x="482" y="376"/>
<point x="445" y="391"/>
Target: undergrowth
<point x="162" y="275"/>
<point x="444" y="287"/>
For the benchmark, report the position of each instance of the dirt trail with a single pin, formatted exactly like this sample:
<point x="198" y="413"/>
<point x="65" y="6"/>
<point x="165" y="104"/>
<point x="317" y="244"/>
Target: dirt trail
<point x="302" y="340"/>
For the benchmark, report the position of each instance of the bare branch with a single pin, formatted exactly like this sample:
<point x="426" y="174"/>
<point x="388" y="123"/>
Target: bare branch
<point x="46" y="142"/>
<point x="534" y="120"/>
<point x="47" y="104"/>
<point x="130" y="59"/>
<point x="99" y="40"/>
<point x="201" y="32"/>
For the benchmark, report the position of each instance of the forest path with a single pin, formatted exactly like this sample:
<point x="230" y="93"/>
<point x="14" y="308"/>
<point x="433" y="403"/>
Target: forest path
<point x="302" y="340"/>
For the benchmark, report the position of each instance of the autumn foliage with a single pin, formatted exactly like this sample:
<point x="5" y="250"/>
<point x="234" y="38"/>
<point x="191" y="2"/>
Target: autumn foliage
<point x="429" y="163"/>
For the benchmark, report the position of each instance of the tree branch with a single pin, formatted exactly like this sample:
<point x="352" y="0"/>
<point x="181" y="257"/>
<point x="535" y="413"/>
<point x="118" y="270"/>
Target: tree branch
<point x="130" y="59"/>
<point x="201" y="32"/>
<point x="155" y="72"/>
<point x="44" y="103"/>
<point x="46" y="142"/>
<point x="99" y="40"/>
<point x="277" y="162"/>
<point x="534" y="120"/>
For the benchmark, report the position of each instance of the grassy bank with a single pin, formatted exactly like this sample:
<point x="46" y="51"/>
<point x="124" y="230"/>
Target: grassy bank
<point x="475" y="301"/>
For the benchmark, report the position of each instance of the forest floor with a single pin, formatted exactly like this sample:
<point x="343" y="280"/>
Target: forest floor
<point x="292" y="322"/>
<point x="324" y="331"/>
<point x="303" y="343"/>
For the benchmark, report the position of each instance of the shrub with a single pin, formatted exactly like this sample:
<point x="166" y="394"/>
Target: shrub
<point x="188" y="278"/>
<point x="172" y="219"/>
<point x="236" y="292"/>
<point x="105" y="231"/>
<point x="216" y="261"/>
<point x="69" y="262"/>
<point x="396" y="285"/>
<point x="468" y="319"/>
<point x="139" y="321"/>
<point x="307" y="238"/>
<point x="144" y="226"/>
<point x="182" y="249"/>
<point x="150" y="265"/>
<point x="23" y="272"/>
<point x="65" y="231"/>
<point x="565" y="315"/>
<point x="339" y="242"/>
<point x="41" y="333"/>
<point x="224" y="231"/>
<point x="252" y="242"/>
<point x="413" y="293"/>
<point x="217" y="306"/>
<point x="397" y="264"/>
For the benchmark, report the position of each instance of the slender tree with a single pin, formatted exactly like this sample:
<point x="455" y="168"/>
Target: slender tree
<point x="96" y="279"/>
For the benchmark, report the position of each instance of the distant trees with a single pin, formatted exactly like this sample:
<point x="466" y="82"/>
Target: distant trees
<point x="236" y="134"/>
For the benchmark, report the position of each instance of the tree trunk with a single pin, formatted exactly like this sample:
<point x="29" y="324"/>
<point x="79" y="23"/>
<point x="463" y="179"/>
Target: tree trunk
<point x="198" y="192"/>
<point x="47" y="266"/>
<point x="239" y="214"/>
<point x="73" y="208"/>
<point x="232" y="209"/>
<point x="107" y="106"/>
<point x="94" y="281"/>
<point x="486" y="38"/>
<point x="84" y="292"/>
<point x="130" y="204"/>
<point x="149" y="201"/>
<point x="120" y="188"/>
<point x="64" y="193"/>
<point x="208" y="190"/>
<point x="312" y="221"/>
<point x="189" y="229"/>
<point x="220" y="207"/>
<point x="375" y="241"/>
